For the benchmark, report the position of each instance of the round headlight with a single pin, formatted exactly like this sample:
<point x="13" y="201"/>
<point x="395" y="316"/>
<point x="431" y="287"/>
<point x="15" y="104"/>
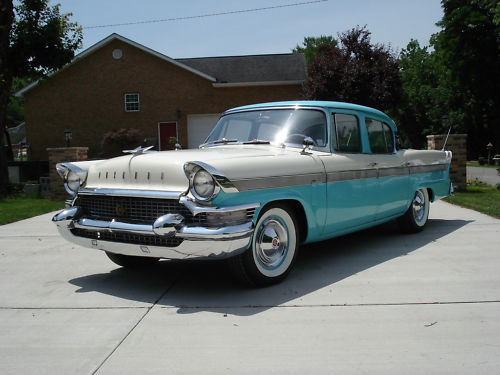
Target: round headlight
<point x="203" y="184"/>
<point x="73" y="181"/>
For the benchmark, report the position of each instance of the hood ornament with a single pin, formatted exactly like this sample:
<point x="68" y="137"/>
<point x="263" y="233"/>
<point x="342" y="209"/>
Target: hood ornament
<point x="138" y="150"/>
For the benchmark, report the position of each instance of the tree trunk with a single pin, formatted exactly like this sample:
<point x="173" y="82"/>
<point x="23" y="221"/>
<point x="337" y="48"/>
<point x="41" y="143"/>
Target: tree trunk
<point x="6" y="19"/>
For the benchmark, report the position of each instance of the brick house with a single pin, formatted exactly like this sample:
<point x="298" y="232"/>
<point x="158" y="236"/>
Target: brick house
<point x="118" y="83"/>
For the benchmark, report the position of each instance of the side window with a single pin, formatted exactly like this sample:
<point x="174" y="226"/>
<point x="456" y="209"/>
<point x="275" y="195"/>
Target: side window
<point x="346" y="137"/>
<point x="380" y="136"/>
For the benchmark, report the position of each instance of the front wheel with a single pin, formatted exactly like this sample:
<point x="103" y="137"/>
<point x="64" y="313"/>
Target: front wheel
<point x="274" y="248"/>
<point x="416" y="216"/>
<point x="129" y="261"/>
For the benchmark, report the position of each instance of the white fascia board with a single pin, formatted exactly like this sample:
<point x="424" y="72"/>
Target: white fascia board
<point x="108" y="40"/>
<point x="264" y="83"/>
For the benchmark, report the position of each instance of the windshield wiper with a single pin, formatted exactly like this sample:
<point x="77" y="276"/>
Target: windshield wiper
<point x="257" y="142"/>
<point x="224" y="140"/>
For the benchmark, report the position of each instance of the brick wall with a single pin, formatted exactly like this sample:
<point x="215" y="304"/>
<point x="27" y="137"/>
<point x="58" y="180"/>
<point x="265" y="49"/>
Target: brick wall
<point x="59" y="155"/>
<point x="88" y="97"/>
<point x="457" y="143"/>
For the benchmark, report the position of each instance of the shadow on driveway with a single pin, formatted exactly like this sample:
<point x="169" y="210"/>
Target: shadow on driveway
<point x="208" y="286"/>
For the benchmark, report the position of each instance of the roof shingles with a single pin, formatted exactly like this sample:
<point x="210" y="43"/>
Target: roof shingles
<point x="248" y="69"/>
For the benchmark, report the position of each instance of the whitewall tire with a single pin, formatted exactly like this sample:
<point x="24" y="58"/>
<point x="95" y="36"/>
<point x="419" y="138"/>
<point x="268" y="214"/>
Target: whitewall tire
<point x="274" y="248"/>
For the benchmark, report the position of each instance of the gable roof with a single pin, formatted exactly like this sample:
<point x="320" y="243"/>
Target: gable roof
<point x="221" y="71"/>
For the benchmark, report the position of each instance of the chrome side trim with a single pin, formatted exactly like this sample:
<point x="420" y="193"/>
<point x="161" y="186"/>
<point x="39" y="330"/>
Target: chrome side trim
<point x="335" y="176"/>
<point x="351" y="175"/>
<point x="279" y="181"/>
<point x="393" y="171"/>
<point x="427" y="168"/>
<point x="132" y="193"/>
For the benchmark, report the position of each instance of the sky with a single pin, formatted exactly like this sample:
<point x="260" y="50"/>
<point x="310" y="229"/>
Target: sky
<point x="278" y="30"/>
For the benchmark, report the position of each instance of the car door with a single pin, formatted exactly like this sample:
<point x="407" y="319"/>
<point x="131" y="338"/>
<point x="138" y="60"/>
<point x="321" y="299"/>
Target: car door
<point x="351" y="176"/>
<point x="392" y="170"/>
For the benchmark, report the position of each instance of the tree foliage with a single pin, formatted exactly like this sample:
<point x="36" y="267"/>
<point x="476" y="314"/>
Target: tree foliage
<point x="312" y="46"/>
<point x="35" y="39"/>
<point x="458" y="81"/>
<point x="355" y="71"/>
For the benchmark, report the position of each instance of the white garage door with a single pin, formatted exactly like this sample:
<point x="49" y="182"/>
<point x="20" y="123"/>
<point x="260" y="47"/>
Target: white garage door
<point x="199" y="127"/>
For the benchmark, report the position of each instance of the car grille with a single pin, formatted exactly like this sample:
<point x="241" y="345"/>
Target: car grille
<point x="138" y="239"/>
<point x="141" y="210"/>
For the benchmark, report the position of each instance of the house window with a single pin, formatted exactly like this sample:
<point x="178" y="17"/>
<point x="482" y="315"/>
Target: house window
<point x="132" y="102"/>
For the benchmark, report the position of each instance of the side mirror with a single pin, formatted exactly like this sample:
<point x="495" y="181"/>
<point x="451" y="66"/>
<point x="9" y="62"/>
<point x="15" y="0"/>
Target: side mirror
<point x="307" y="142"/>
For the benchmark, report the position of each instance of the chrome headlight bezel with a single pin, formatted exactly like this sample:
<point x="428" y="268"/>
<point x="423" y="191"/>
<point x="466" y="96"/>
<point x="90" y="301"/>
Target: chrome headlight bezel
<point x="200" y="176"/>
<point x="74" y="177"/>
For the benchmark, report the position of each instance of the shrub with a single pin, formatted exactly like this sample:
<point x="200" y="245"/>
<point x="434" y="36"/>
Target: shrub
<point x="115" y="141"/>
<point x="481" y="160"/>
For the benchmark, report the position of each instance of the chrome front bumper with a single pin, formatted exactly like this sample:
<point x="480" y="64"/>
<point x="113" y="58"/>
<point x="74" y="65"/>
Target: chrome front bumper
<point x="197" y="241"/>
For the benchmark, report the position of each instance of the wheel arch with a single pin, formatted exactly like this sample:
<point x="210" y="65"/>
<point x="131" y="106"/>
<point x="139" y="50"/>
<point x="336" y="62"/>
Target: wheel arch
<point x="298" y="210"/>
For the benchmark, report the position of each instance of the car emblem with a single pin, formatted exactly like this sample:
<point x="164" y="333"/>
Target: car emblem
<point x="120" y="210"/>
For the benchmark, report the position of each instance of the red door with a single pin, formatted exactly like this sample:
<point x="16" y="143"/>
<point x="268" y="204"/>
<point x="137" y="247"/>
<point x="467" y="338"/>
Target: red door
<point x="165" y="131"/>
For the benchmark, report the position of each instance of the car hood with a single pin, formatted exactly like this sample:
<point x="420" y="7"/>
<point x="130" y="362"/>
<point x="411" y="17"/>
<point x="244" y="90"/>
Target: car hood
<point x="164" y="170"/>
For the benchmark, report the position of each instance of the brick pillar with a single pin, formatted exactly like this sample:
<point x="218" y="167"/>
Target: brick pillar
<point x="457" y="143"/>
<point x="60" y="155"/>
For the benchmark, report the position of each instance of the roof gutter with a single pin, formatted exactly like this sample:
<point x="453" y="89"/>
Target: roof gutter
<point x="262" y="83"/>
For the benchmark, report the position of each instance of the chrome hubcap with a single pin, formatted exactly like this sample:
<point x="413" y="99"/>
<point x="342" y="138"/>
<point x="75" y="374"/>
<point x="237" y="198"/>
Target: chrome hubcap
<point x="271" y="242"/>
<point x="419" y="206"/>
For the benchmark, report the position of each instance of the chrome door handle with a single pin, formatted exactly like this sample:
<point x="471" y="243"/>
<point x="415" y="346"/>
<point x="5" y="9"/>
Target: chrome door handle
<point x="372" y="164"/>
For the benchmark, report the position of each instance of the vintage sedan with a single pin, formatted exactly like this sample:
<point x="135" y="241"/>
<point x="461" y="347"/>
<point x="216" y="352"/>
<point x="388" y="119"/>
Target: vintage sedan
<point x="269" y="178"/>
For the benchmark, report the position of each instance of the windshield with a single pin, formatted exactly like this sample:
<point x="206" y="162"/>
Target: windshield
<point x="280" y="126"/>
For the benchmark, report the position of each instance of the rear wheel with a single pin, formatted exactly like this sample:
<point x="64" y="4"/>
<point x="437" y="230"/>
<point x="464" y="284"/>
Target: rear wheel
<point x="274" y="248"/>
<point x="130" y="261"/>
<point x="417" y="214"/>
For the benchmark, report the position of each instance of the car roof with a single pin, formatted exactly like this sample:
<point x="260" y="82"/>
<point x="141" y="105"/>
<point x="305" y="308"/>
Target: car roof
<point x="319" y="104"/>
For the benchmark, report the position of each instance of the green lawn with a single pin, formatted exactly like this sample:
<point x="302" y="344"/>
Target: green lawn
<point x="18" y="208"/>
<point x="479" y="197"/>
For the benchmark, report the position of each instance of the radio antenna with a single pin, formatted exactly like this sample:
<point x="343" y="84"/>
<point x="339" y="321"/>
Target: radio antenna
<point x="446" y="140"/>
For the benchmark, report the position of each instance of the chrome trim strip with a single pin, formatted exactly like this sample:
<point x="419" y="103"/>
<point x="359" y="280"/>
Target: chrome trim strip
<point x="417" y="169"/>
<point x="279" y="181"/>
<point x="334" y="176"/>
<point x="196" y="209"/>
<point x="132" y="193"/>
<point x="232" y="232"/>
<point x="112" y="226"/>
<point x="187" y="232"/>
<point x="360" y="174"/>
<point x="393" y="171"/>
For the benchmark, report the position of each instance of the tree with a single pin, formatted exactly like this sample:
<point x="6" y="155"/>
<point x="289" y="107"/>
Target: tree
<point x="425" y="96"/>
<point x="468" y="49"/>
<point x="35" y="40"/>
<point x="311" y="46"/>
<point x="355" y="71"/>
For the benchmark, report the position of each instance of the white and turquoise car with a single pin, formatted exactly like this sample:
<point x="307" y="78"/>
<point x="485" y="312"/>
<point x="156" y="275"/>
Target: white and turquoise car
<point x="269" y="178"/>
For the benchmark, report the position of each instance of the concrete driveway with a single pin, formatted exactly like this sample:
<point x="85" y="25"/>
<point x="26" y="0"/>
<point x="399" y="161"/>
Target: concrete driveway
<point x="372" y="302"/>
